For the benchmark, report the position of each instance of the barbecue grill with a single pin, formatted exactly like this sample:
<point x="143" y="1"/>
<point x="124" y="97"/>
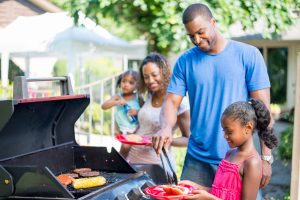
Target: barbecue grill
<point x="37" y="142"/>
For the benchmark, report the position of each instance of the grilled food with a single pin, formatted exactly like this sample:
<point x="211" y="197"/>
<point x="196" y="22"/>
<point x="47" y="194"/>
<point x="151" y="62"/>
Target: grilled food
<point x="134" y="138"/>
<point x="175" y="189"/>
<point x="80" y="170"/>
<point x="73" y="175"/>
<point x="65" y="180"/>
<point x="89" y="174"/>
<point x="82" y="183"/>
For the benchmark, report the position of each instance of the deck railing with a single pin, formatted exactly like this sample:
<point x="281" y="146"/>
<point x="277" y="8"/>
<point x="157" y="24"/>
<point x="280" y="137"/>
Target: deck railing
<point x="95" y="120"/>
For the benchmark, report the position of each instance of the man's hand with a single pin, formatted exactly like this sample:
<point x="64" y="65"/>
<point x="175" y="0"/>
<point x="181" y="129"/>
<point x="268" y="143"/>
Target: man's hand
<point x="266" y="174"/>
<point x="163" y="138"/>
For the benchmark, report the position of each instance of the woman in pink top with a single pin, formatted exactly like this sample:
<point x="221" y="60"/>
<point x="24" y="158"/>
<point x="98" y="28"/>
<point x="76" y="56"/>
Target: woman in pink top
<point x="238" y="175"/>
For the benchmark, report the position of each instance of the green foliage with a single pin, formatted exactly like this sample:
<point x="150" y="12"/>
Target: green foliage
<point x="286" y="139"/>
<point x="6" y="93"/>
<point x="286" y="144"/>
<point x="60" y="68"/>
<point x="96" y="69"/>
<point x="13" y="70"/>
<point x="179" y="153"/>
<point x="159" y="21"/>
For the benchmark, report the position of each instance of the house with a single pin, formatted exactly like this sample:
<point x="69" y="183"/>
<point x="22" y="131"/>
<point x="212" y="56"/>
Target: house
<point x="11" y="9"/>
<point x="280" y="54"/>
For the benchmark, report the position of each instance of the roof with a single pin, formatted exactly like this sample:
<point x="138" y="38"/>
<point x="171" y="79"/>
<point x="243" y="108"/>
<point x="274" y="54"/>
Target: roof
<point x="292" y="33"/>
<point x="46" y="5"/>
<point x="10" y="10"/>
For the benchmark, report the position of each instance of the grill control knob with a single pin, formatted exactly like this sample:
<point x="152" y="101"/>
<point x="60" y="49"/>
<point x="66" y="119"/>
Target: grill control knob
<point x="145" y="185"/>
<point x="134" y="194"/>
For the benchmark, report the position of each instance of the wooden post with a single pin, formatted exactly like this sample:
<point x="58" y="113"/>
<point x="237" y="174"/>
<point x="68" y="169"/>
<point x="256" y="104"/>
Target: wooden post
<point x="295" y="176"/>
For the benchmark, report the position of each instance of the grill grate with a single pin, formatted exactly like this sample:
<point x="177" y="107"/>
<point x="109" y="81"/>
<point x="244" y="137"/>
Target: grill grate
<point x="110" y="177"/>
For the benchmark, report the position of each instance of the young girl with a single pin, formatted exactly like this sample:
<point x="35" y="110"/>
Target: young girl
<point x="127" y="105"/>
<point x="239" y="174"/>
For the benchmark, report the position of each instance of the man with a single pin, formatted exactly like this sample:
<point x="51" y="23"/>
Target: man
<point x="215" y="73"/>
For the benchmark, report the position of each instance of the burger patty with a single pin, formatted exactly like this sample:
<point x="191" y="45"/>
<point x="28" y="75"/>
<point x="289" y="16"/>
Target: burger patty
<point x="80" y="170"/>
<point x="89" y="174"/>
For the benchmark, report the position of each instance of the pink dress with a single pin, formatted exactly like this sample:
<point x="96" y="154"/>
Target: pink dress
<point x="227" y="183"/>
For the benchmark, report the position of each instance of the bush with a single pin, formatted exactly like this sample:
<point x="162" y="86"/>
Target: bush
<point x="286" y="144"/>
<point x="286" y="139"/>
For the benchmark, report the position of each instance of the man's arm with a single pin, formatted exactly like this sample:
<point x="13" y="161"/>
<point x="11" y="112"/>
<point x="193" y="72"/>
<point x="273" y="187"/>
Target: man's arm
<point x="264" y="95"/>
<point x="168" y="119"/>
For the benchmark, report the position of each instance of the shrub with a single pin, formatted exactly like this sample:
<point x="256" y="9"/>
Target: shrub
<point x="286" y="139"/>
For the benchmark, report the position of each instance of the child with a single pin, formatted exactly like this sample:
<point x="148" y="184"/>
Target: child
<point x="127" y="105"/>
<point x="239" y="174"/>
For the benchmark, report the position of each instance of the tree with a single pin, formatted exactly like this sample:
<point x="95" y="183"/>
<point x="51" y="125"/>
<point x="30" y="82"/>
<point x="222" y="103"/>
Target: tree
<point x="159" y="21"/>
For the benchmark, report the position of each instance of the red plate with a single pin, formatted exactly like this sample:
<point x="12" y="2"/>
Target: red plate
<point x="123" y="139"/>
<point x="158" y="192"/>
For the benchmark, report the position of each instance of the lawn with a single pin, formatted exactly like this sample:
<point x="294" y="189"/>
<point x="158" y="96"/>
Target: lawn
<point x="179" y="156"/>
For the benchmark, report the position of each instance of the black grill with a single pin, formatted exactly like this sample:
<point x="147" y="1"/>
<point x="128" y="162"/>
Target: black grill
<point x="38" y="143"/>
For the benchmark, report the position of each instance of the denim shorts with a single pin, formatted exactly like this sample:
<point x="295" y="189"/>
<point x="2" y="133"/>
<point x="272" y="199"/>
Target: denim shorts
<point x="201" y="172"/>
<point x="198" y="171"/>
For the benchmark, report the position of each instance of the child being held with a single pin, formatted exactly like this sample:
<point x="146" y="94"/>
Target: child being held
<point x="239" y="173"/>
<point x="127" y="105"/>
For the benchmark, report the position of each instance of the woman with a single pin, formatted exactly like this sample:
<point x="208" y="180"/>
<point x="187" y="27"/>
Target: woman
<point x="155" y="76"/>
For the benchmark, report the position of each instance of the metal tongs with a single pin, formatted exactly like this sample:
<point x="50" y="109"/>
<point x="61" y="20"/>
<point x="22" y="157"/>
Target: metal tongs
<point x="171" y="179"/>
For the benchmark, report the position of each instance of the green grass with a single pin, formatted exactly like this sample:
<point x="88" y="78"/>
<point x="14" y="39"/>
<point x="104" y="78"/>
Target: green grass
<point x="179" y="156"/>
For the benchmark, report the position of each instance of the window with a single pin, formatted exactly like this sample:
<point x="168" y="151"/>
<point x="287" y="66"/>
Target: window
<point x="277" y="62"/>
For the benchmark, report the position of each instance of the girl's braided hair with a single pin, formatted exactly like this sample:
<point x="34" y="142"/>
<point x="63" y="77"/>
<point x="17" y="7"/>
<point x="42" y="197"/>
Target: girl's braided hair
<point x="162" y="63"/>
<point x="256" y="111"/>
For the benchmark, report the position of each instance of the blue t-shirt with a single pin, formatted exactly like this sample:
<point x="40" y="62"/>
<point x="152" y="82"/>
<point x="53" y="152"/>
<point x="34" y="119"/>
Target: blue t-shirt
<point x="124" y="122"/>
<point x="213" y="82"/>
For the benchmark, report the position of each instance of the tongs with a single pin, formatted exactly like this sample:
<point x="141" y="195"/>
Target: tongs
<point x="171" y="179"/>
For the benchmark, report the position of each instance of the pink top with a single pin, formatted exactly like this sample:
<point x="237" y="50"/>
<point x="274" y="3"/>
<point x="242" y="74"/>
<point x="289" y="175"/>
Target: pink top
<point x="228" y="184"/>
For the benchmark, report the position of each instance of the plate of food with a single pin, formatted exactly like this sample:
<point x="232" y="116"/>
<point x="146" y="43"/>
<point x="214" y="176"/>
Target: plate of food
<point x="133" y="139"/>
<point x="169" y="192"/>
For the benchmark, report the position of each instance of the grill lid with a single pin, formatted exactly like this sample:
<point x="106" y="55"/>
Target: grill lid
<point x="30" y="125"/>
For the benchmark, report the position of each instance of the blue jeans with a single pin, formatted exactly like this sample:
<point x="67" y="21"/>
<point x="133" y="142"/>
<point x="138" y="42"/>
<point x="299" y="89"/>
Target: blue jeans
<point x="201" y="172"/>
<point x="198" y="171"/>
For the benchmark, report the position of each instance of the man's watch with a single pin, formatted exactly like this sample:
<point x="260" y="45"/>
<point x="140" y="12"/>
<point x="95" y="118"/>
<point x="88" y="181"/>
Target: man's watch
<point x="269" y="159"/>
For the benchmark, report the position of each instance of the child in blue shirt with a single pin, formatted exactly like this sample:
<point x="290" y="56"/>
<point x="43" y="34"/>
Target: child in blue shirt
<point x="127" y="105"/>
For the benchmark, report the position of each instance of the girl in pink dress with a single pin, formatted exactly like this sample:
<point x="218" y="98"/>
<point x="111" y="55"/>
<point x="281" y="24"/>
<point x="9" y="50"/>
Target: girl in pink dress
<point x="239" y="173"/>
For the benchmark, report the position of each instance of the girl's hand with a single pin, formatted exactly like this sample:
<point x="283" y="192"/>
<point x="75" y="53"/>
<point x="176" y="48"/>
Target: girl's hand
<point x="201" y="195"/>
<point x="133" y="112"/>
<point x="119" y="100"/>
<point x="194" y="185"/>
<point x="191" y="183"/>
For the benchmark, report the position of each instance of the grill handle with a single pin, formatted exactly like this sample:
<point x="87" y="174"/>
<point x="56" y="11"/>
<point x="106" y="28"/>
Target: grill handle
<point x="6" y="183"/>
<point x="20" y="88"/>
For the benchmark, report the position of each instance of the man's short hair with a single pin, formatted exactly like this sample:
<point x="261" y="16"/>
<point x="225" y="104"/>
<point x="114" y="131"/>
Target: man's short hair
<point x="195" y="10"/>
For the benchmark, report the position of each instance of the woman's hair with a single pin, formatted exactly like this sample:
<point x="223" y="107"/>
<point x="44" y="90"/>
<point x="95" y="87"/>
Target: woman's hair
<point x="162" y="63"/>
<point x="253" y="111"/>
<point x="132" y="73"/>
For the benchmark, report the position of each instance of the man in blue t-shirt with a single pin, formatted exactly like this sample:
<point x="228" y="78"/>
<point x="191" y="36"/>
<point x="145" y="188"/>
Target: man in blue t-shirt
<point x="215" y="73"/>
